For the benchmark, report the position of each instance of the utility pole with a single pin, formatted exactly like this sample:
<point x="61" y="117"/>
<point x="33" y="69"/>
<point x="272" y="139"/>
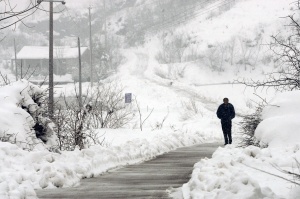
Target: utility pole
<point x="21" y="69"/>
<point x="51" y="95"/>
<point x="91" y="48"/>
<point x="80" y="81"/>
<point x="105" y="28"/>
<point x="16" y="59"/>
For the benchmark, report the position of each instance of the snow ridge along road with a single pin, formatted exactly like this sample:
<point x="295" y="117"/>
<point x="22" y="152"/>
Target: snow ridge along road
<point x="150" y="179"/>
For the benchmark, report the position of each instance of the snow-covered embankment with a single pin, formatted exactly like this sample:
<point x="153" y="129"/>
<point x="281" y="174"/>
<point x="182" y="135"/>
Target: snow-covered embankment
<point x="254" y="172"/>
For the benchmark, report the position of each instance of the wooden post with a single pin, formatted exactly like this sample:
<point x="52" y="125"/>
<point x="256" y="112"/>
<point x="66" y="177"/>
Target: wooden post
<point x="91" y="50"/>
<point x="80" y="88"/>
<point x="41" y="65"/>
<point x="16" y="60"/>
<point x="25" y="67"/>
<point x="51" y="95"/>
<point x="105" y="27"/>
<point x="21" y="68"/>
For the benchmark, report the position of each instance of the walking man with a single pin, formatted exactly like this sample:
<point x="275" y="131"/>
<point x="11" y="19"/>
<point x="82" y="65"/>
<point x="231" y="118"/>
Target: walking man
<point x="226" y="113"/>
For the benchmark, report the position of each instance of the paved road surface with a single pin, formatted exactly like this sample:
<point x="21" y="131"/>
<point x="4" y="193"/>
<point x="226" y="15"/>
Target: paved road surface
<point x="150" y="179"/>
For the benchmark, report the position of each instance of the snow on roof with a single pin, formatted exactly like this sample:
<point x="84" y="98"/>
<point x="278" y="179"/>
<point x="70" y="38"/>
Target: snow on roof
<point x="42" y="52"/>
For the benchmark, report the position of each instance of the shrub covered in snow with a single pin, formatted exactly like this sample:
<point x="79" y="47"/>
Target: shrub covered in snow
<point x="23" y="119"/>
<point x="248" y="126"/>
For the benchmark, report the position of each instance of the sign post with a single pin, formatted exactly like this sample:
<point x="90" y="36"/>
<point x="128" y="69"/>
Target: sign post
<point x="128" y="98"/>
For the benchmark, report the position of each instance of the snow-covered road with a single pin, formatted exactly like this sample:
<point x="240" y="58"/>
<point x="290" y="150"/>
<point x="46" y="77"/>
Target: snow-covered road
<point x="147" y="180"/>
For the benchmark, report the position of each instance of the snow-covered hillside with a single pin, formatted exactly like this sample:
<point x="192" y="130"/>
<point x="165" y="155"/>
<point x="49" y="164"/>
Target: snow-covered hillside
<point x="227" y="46"/>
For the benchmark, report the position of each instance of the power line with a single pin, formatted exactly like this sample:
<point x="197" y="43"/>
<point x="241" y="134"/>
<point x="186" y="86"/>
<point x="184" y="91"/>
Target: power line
<point x="184" y="11"/>
<point x="183" y="18"/>
<point x="151" y="3"/>
<point x="43" y="9"/>
<point x="74" y="22"/>
<point x="170" y="21"/>
<point x="157" y="3"/>
<point x="21" y="15"/>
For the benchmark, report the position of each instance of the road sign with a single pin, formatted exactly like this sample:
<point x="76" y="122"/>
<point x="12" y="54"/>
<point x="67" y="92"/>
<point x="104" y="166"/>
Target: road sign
<point x="128" y="97"/>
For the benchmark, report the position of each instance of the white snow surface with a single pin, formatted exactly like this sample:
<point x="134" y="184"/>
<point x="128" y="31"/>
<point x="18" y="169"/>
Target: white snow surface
<point x="249" y="173"/>
<point x="280" y="126"/>
<point x="252" y="172"/>
<point x="232" y="172"/>
<point x="42" y="52"/>
<point x="23" y="171"/>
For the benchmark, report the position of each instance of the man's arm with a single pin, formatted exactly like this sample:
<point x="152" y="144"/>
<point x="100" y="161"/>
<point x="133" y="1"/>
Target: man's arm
<point x="232" y="112"/>
<point x="219" y="112"/>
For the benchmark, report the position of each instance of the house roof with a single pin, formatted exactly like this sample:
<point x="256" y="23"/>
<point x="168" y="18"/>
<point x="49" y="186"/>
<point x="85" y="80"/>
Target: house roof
<point x="42" y="52"/>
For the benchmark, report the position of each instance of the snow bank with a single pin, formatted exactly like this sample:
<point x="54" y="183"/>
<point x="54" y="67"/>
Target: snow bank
<point x="23" y="171"/>
<point x="21" y="108"/>
<point x="280" y="126"/>
<point x="253" y="172"/>
<point x="232" y="173"/>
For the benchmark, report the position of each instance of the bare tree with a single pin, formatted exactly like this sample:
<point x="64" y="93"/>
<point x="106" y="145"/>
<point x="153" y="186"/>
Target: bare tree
<point x="287" y="54"/>
<point x="4" y="79"/>
<point x="231" y="49"/>
<point x="142" y="121"/>
<point x="109" y="109"/>
<point x="71" y="121"/>
<point x="213" y="56"/>
<point x="173" y="50"/>
<point x="190" y="109"/>
<point x="160" y="124"/>
<point x="12" y="13"/>
<point x="105" y="108"/>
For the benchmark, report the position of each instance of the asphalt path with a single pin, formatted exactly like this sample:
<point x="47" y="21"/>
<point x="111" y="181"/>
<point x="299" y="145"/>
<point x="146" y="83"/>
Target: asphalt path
<point x="150" y="179"/>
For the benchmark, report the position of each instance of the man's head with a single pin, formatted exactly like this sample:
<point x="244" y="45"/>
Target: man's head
<point x="225" y="100"/>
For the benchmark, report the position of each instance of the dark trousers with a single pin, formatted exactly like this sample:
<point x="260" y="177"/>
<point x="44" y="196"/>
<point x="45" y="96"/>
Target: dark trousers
<point x="226" y="127"/>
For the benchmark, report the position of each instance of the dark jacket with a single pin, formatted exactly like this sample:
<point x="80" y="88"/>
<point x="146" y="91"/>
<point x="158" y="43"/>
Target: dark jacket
<point x="226" y="112"/>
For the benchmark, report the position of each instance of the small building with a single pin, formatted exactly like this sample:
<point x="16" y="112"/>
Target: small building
<point x="35" y="59"/>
